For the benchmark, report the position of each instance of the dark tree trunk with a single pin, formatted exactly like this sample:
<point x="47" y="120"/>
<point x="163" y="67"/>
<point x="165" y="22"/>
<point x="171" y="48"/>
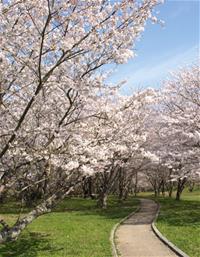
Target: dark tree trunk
<point x="125" y="195"/>
<point x="2" y="193"/>
<point x="155" y="189"/>
<point x="163" y="188"/>
<point x="191" y="186"/>
<point x="90" y="193"/>
<point x="87" y="188"/>
<point x="120" y="185"/>
<point x="170" y="192"/>
<point x="178" y="195"/>
<point x="180" y="187"/>
<point x="136" y="184"/>
<point x="120" y="196"/>
<point x="170" y="189"/>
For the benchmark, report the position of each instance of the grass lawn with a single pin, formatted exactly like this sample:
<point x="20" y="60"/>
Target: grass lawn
<point x="179" y="221"/>
<point x="75" y="228"/>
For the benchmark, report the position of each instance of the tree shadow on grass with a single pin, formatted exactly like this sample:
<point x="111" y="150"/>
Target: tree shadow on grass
<point x="28" y="245"/>
<point x="114" y="210"/>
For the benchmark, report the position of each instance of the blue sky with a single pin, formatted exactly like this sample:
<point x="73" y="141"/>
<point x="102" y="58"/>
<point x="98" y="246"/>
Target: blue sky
<point x="163" y="49"/>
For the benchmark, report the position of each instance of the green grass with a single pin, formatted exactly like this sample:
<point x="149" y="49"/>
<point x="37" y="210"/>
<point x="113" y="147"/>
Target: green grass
<point x="179" y="221"/>
<point x="75" y="228"/>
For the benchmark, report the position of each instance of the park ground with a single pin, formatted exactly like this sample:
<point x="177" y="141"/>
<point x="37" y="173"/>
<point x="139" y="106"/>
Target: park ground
<point x="78" y="228"/>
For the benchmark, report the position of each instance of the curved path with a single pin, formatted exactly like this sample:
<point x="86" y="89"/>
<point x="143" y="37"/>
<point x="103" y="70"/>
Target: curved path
<point x="135" y="238"/>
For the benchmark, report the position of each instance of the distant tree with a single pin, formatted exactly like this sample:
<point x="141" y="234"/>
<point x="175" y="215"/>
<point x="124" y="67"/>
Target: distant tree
<point x="175" y="130"/>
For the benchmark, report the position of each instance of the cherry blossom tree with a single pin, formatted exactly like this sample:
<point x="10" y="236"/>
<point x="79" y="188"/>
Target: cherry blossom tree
<point x="51" y="53"/>
<point x="175" y="130"/>
<point x="182" y="101"/>
<point x="123" y="136"/>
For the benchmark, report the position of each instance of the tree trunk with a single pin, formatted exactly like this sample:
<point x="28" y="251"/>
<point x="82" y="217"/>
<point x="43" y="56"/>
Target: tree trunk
<point x="125" y="195"/>
<point x="121" y="192"/>
<point x="170" y="192"/>
<point x="120" y="185"/>
<point x="2" y="193"/>
<point x="180" y="187"/>
<point x="120" y="196"/>
<point x="178" y="195"/>
<point x="102" y="201"/>
<point x="155" y="189"/>
<point x="170" y="189"/>
<point x="163" y="188"/>
<point x="191" y="186"/>
<point x="11" y="233"/>
<point x="136" y="184"/>
<point x="87" y="188"/>
<point x="90" y="192"/>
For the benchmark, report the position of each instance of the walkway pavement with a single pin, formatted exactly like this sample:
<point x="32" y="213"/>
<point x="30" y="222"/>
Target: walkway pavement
<point x="135" y="237"/>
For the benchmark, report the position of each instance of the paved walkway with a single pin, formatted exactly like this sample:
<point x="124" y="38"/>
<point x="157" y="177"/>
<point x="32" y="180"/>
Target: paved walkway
<point x="135" y="237"/>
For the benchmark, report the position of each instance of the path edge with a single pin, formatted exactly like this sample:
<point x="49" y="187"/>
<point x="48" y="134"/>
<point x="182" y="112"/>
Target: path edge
<point x="114" y="229"/>
<point x="173" y="247"/>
